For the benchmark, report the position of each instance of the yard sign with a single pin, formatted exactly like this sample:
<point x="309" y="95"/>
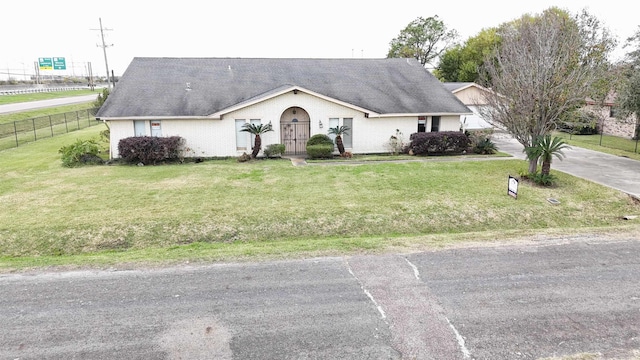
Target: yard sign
<point x="513" y="187"/>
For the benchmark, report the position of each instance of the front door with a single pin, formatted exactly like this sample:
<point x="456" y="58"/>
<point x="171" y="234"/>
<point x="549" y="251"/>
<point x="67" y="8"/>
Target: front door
<point x="295" y="127"/>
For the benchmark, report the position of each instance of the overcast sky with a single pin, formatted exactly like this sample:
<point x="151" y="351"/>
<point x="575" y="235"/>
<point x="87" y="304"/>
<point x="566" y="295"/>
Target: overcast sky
<point x="236" y="28"/>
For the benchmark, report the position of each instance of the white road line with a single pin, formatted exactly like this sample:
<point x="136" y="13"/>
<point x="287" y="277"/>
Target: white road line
<point x="459" y="338"/>
<point x="416" y="273"/>
<point x="380" y="310"/>
<point x="465" y="351"/>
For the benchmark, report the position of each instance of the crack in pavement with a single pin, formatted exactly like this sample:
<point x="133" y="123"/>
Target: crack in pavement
<point x="419" y="327"/>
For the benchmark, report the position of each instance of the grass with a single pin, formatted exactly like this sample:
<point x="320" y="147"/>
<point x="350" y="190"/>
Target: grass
<point x="10" y="99"/>
<point x="610" y="144"/>
<point x="24" y="115"/>
<point x="225" y="210"/>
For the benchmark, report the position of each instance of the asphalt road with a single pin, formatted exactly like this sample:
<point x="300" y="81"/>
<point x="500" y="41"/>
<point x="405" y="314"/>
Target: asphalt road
<point x="531" y="300"/>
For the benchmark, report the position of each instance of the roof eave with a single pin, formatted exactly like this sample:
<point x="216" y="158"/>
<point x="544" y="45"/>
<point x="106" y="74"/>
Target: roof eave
<point x="295" y="89"/>
<point x="120" y="118"/>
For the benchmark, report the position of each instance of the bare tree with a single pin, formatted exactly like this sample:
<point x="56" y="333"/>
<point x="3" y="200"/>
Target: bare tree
<point x="545" y="66"/>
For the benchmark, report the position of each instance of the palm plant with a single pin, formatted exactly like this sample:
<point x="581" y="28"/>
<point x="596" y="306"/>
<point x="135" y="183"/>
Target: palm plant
<point x="544" y="149"/>
<point x="338" y="131"/>
<point x="257" y="130"/>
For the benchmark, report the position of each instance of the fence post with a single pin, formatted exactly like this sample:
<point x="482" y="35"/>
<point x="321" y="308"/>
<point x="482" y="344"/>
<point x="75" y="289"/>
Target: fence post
<point x="601" y="132"/>
<point x="15" y="131"/>
<point x="66" y="126"/>
<point x="33" y="122"/>
<point x="50" y="125"/>
<point x="78" y="120"/>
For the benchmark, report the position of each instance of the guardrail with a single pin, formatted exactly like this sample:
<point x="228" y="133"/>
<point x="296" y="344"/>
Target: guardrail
<point x="40" y="90"/>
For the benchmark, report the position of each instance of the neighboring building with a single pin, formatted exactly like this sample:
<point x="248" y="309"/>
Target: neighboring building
<point x="208" y="100"/>
<point x="471" y="94"/>
<point x="609" y="122"/>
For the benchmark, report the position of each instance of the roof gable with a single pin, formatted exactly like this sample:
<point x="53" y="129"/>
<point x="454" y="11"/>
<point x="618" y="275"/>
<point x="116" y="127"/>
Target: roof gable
<point x="194" y="87"/>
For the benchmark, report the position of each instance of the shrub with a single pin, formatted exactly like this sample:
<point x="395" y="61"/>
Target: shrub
<point x="319" y="139"/>
<point x="396" y="143"/>
<point x="273" y="150"/>
<point x="150" y="149"/>
<point x="543" y="179"/>
<point x="485" y="147"/>
<point x="244" y="157"/>
<point x="320" y="151"/>
<point x="80" y="152"/>
<point x="579" y="122"/>
<point x="438" y="143"/>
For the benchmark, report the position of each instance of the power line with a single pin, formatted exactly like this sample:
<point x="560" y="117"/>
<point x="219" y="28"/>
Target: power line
<point x="104" y="49"/>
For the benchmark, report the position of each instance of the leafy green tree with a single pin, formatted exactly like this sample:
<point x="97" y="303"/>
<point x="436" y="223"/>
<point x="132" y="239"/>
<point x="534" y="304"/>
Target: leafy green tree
<point x="101" y="98"/>
<point x="545" y="65"/>
<point x="422" y="39"/>
<point x="629" y="96"/>
<point x="257" y="130"/>
<point x="339" y="131"/>
<point x="544" y="149"/>
<point x="462" y="63"/>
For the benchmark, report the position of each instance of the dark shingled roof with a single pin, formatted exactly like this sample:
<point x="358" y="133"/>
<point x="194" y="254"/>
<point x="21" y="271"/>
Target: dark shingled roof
<point x="157" y="86"/>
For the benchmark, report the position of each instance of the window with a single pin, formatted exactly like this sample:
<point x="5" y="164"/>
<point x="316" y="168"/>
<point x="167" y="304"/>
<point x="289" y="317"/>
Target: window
<point x="612" y="111"/>
<point x="435" y="123"/>
<point x="241" y="137"/>
<point x="140" y="128"/>
<point x="422" y="123"/>
<point x="333" y="123"/>
<point x="156" y="129"/>
<point x="347" y="139"/>
<point x="253" y="137"/>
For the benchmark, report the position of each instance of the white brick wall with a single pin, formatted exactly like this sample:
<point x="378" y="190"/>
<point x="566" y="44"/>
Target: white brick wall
<point x="217" y="138"/>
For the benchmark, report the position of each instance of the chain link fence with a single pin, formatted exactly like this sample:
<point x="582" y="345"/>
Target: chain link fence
<point x="21" y="132"/>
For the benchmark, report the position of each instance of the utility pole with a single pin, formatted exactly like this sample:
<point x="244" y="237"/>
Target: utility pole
<point x="104" y="49"/>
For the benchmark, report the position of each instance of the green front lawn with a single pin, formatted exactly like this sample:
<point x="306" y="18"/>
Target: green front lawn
<point x="607" y="144"/>
<point x="225" y="210"/>
<point x="18" y="98"/>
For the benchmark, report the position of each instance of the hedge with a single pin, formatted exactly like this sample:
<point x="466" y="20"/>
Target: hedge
<point x="438" y="143"/>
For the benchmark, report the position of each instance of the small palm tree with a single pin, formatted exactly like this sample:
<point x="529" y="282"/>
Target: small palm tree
<point x="338" y="131"/>
<point x="544" y="149"/>
<point x="257" y="130"/>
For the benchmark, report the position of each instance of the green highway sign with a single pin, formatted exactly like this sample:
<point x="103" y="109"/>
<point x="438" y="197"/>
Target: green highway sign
<point x="45" y="63"/>
<point x="56" y="63"/>
<point x="59" y="63"/>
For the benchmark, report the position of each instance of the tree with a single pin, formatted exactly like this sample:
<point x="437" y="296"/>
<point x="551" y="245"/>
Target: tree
<point x="338" y="131"/>
<point x="545" y="66"/>
<point x="257" y="130"/>
<point x="629" y="96"/>
<point x="423" y="39"/>
<point x="101" y="98"/>
<point x="544" y="149"/>
<point x="462" y="63"/>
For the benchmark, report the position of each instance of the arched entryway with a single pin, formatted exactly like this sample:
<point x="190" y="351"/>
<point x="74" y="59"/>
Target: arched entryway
<point x="295" y="127"/>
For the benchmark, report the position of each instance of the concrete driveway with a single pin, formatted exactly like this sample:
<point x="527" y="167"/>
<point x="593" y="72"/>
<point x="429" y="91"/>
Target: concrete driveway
<point x="616" y="172"/>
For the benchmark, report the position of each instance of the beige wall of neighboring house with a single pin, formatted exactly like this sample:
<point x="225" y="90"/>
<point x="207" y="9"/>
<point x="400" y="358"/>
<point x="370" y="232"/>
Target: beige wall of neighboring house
<point x="472" y="96"/>
<point x="610" y="123"/>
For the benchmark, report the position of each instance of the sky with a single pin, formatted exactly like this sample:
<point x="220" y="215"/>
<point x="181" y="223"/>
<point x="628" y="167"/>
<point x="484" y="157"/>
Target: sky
<point x="247" y="28"/>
